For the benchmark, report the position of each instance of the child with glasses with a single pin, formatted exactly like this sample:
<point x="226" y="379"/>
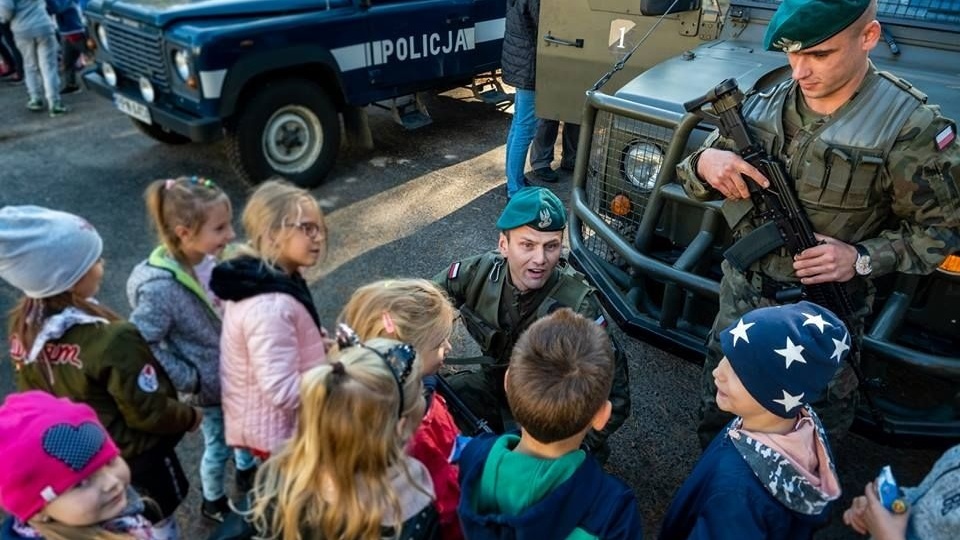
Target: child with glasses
<point x="418" y="312"/>
<point x="271" y="330"/>
<point x="180" y="317"/>
<point x="344" y="473"/>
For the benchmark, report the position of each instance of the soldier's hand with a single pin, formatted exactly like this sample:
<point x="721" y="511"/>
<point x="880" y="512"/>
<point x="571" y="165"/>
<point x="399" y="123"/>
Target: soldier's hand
<point x="830" y="261"/>
<point x="727" y="172"/>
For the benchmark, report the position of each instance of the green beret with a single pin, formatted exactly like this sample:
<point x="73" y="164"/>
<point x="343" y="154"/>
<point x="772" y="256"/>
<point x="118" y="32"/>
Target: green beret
<point x="534" y="206"/>
<point x="800" y="24"/>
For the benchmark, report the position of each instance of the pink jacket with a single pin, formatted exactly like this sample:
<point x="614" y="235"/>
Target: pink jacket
<point x="268" y="341"/>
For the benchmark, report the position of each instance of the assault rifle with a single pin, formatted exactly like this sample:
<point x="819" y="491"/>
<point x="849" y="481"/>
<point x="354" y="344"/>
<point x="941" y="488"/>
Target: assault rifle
<point x="478" y="425"/>
<point x="784" y="220"/>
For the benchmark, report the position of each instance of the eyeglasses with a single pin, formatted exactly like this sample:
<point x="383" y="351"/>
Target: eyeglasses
<point x="398" y="358"/>
<point x="310" y="229"/>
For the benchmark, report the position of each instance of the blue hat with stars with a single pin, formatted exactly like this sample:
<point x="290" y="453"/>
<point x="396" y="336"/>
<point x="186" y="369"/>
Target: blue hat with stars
<point x="786" y="355"/>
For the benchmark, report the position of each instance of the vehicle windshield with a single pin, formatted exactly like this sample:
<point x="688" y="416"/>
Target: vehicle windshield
<point x="941" y="12"/>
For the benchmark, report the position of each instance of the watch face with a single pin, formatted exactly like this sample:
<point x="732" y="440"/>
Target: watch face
<point x="862" y="266"/>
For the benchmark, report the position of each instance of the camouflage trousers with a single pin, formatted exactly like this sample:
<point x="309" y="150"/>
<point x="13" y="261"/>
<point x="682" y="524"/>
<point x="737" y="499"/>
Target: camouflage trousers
<point x="737" y="297"/>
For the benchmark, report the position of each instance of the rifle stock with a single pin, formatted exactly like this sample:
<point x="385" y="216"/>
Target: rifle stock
<point x="478" y="425"/>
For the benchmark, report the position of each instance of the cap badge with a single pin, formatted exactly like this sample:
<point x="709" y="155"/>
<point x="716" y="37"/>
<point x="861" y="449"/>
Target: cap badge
<point x="788" y="45"/>
<point x="545" y="219"/>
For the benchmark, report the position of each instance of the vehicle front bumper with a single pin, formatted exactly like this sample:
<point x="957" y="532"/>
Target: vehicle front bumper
<point x="195" y="128"/>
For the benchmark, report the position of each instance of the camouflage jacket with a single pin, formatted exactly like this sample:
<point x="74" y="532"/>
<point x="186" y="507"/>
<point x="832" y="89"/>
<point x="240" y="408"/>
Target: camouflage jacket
<point x="491" y="310"/>
<point x="901" y="202"/>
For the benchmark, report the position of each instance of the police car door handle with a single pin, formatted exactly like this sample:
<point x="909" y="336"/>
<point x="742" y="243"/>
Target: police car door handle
<point x="457" y="19"/>
<point x="578" y="43"/>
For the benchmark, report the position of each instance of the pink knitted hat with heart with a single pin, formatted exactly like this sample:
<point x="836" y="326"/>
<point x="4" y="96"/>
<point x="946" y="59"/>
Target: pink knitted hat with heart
<point x="48" y="445"/>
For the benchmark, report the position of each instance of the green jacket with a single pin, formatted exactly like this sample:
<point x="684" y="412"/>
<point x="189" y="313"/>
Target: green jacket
<point x="495" y="314"/>
<point x="109" y="367"/>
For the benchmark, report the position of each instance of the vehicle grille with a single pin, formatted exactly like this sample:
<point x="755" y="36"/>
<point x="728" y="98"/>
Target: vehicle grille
<point x="138" y="52"/>
<point x="607" y="173"/>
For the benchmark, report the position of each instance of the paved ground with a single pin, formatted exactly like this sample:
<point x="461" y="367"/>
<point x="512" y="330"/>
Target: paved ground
<point x="407" y="208"/>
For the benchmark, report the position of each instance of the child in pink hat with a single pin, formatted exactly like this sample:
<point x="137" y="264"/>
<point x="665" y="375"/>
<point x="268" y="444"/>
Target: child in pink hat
<point x="62" y="476"/>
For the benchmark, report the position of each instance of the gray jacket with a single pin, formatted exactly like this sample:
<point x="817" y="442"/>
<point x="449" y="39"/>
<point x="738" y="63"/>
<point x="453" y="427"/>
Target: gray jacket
<point x="519" y="57"/>
<point x="28" y="18"/>
<point x="181" y="326"/>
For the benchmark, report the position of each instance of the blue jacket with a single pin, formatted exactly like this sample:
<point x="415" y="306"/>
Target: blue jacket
<point x="723" y="499"/>
<point x="7" y="532"/>
<point x="590" y="499"/>
<point x="67" y="13"/>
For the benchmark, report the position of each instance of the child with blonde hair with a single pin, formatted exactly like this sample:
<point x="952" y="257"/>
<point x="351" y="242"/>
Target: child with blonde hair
<point x="62" y="477"/>
<point x="64" y="342"/>
<point x="344" y="474"/>
<point x="180" y="317"/>
<point x="271" y="329"/>
<point x="418" y="312"/>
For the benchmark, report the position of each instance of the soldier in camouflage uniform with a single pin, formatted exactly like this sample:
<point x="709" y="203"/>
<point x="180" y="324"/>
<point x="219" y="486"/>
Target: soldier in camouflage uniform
<point x="875" y="168"/>
<point x="501" y="293"/>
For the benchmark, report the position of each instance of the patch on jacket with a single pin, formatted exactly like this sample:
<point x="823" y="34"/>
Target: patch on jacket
<point x="147" y="379"/>
<point x="946" y="136"/>
<point x="454" y="271"/>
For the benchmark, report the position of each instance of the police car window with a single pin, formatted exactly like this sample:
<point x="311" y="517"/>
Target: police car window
<point x="932" y="11"/>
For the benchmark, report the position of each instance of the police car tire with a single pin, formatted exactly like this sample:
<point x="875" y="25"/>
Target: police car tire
<point x="244" y="135"/>
<point x="160" y="134"/>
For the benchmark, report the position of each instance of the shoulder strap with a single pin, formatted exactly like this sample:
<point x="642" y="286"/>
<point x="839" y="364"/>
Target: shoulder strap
<point x="569" y="291"/>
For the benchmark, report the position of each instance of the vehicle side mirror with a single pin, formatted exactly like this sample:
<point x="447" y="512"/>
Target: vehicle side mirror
<point x="659" y="7"/>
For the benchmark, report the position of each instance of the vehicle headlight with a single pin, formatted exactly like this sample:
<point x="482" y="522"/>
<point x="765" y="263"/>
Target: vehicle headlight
<point x="146" y="90"/>
<point x="102" y="37"/>
<point x="109" y="74"/>
<point x="641" y="164"/>
<point x="181" y="62"/>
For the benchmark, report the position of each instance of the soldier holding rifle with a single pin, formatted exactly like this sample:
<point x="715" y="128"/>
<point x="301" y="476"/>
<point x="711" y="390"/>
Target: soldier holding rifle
<point x="873" y="166"/>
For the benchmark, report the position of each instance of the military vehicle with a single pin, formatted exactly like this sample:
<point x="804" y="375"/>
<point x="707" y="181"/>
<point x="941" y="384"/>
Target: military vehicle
<point x="275" y="77"/>
<point x="654" y="253"/>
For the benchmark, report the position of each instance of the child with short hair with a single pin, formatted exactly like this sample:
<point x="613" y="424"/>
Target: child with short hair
<point x="61" y="476"/>
<point x="180" y="317"/>
<point x="36" y="38"/>
<point x="271" y="330"/>
<point x="418" y="312"/>
<point x="770" y="473"/>
<point x="64" y="342"/>
<point x="344" y="474"/>
<point x="541" y="484"/>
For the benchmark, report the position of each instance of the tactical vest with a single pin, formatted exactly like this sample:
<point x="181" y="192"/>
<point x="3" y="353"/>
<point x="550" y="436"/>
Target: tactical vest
<point x="481" y="308"/>
<point x="838" y="165"/>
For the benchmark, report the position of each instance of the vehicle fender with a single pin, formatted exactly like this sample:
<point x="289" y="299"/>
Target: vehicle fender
<point x="306" y="61"/>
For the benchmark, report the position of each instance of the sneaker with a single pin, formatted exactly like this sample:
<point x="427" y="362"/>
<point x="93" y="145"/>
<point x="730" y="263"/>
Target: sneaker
<point x="543" y="174"/>
<point x="35" y="104"/>
<point x="244" y="479"/>
<point x="14" y="79"/>
<point x="57" y="109"/>
<point x="70" y="89"/>
<point x="215" y="510"/>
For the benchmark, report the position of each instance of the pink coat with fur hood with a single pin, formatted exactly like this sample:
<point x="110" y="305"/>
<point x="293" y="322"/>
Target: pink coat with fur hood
<point x="268" y="342"/>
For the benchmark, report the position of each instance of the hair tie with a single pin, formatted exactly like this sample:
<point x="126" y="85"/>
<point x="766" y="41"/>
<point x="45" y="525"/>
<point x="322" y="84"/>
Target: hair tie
<point x="200" y="181"/>
<point x="169" y="183"/>
<point x="338" y="368"/>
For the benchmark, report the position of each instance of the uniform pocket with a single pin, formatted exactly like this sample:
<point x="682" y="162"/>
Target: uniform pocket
<point x="838" y="178"/>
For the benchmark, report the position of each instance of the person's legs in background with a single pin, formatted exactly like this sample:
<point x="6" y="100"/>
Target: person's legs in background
<point x="541" y="151"/>
<point x="522" y="129"/>
<point x="10" y="54"/>
<point x="48" y="59"/>
<point x="31" y="73"/>
<point x="571" y="138"/>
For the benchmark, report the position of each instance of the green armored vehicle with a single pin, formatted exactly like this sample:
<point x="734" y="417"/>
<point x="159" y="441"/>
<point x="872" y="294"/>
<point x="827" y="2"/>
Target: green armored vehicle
<point x="654" y="253"/>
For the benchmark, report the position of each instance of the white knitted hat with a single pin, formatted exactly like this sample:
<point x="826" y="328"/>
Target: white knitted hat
<point x="45" y="252"/>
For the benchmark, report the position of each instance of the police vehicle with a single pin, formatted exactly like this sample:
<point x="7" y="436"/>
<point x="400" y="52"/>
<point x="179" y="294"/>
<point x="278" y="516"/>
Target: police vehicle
<point x="654" y="253"/>
<point x="275" y="77"/>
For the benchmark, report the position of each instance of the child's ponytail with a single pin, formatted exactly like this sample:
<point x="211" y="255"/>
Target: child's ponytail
<point x="180" y="202"/>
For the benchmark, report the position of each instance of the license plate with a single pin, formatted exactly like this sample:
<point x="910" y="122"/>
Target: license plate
<point x="132" y="108"/>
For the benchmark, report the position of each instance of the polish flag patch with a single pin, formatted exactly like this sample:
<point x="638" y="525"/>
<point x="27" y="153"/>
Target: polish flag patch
<point x="454" y="271"/>
<point x="601" y="321"/>
<point x="945" y="137"/>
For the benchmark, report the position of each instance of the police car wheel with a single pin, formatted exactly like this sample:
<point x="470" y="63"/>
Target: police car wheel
<point x="160" y="134"/>
<point x="288" y="128"/>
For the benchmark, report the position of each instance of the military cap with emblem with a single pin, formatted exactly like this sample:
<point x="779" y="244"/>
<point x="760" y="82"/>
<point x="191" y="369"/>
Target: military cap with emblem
<point x="536" y="207"/>
<point x="801" y="24"/>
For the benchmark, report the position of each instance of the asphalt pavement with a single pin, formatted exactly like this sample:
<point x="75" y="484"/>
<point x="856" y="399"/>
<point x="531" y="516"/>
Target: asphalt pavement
<point x="410" y="207"/>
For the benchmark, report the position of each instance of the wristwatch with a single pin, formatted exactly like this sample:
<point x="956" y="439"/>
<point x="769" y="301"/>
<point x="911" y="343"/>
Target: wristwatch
<point x="862" y="265"/>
